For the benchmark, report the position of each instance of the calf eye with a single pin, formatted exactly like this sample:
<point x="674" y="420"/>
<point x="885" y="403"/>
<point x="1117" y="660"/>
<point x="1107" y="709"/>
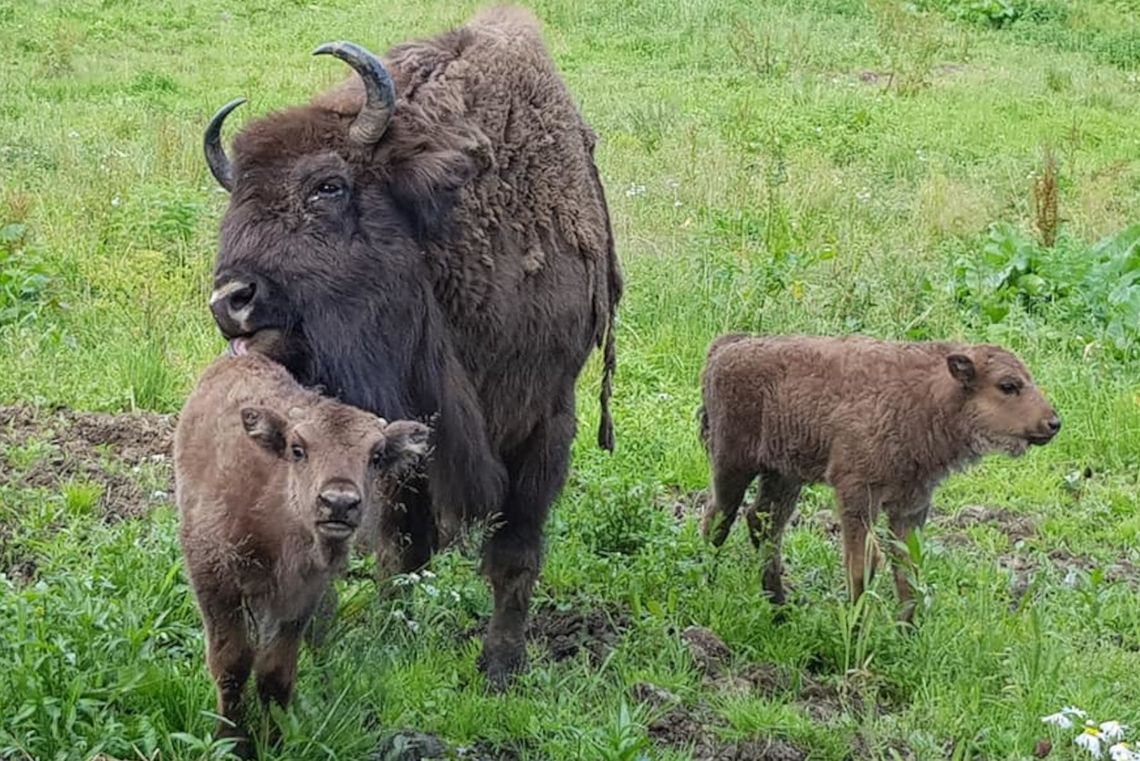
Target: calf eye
<point x="297" y="452"/>
<point x="1009" y="388"/>
<point x="377" y="458"/>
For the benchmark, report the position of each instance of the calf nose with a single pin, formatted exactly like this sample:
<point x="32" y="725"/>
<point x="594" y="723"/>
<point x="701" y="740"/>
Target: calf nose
<point x="340" y="504"/>
<point x="1054" y="424"/>
<point x="232" y="305"/>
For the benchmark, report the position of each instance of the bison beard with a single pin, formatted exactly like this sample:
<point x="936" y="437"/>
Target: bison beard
<point x="431" y="239"/>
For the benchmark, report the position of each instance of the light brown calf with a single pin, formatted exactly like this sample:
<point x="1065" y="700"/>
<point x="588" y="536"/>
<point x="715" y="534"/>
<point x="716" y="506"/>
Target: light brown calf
<point x="881" y="422"/>
<point x="272" y="482"/>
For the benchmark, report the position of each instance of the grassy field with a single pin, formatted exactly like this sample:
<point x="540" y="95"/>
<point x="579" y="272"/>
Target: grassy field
<point x="937" y="169"/>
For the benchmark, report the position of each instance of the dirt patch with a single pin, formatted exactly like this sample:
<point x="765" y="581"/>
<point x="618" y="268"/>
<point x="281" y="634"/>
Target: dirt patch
<point x="1016" y="527"/>
<point x="97" y="448"/>
<point x="564" y="633"/>
<point x="692" y="729"/>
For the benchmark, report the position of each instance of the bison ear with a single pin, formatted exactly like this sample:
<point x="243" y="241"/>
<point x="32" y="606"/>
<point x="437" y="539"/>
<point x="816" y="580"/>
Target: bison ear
<point x="426" y="188"/>
<point x="963" y="370"/>
<point x="266" y="427"/>
<point x="405" y="444"/>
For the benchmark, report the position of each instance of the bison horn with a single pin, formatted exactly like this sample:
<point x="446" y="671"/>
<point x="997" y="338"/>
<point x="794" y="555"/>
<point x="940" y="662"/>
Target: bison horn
<point x="380" y="92"/>
<point x="215" y="154"/>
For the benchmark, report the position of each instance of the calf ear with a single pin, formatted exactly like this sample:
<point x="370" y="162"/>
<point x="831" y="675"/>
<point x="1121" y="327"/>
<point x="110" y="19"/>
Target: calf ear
<point x="266" y="427"/>
<point x="405" y="443"/>
<point x="962" y="368"/>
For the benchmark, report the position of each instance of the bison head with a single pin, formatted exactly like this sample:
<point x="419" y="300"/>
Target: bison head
<point x="321" y="262"/>
<point x="338" y="456"/>
<point x="1004" y="409"/>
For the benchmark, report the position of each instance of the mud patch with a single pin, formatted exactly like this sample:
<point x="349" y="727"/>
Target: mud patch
<point x="563" y="633"/>
<point x="1016" y="527"/>
<point x="106" y="450"/>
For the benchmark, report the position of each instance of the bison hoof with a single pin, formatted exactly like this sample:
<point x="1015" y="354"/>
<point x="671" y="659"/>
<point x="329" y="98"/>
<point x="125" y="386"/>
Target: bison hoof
<point x="242" y="744"/>
<point x="501" y="661"/>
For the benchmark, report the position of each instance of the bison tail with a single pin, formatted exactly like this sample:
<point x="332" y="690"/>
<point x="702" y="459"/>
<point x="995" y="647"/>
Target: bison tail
<point x="703" y="425"/>
<point x="606" y="427"/>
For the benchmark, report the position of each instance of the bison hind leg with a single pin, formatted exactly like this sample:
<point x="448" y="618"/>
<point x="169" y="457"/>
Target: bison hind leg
<point x="767" y="518"/>
<point x="728" y="488"/>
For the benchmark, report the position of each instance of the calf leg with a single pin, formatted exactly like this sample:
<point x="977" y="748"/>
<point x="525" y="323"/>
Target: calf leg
<point x="904" y="518"/>
<point x="857" y="510"/>
<point x="229" y="657"/>
<point x="512" y="555"/>
<point x="275" y="668"/>
<point x="728" y="488"/>
<point x="775" y="502"/>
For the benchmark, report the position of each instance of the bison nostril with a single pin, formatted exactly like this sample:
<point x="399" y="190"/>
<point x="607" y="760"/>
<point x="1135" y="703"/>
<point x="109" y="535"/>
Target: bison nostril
<point x="1054" y="424"/>
<point x="340" y="504"/>
<point x="241" y="298"/>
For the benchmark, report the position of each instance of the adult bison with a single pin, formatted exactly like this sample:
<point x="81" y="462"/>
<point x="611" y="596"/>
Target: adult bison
<point x="431" y="238"/>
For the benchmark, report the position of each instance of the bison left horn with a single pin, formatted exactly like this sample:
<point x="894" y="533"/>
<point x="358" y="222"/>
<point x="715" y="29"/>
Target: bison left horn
<point x="380" y="92"/>
<point x="215" y="154"/>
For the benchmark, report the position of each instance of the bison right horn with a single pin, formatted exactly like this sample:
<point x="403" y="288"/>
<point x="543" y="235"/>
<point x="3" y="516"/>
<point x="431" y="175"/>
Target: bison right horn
<point x="216" y="157"/>
<point x="380" y="92"/>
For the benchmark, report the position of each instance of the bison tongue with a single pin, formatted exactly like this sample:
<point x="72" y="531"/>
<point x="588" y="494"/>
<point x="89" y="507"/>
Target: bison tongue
<point x="238" y="347"/>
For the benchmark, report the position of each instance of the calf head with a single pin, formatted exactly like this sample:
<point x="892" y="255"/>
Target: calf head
<point x="338" y="458"/>
<point x="1004" y="410"/>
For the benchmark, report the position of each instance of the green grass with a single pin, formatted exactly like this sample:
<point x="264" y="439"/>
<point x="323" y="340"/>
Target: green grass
<point x="821" y="166"/>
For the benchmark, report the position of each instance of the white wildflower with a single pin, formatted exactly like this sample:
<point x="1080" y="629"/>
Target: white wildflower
<point x="1090" y="740"/>
<point x="1058" y="720"/>
<point x="863" y="196"/>
<point x="1112" y="730"/>
<point x="73" y="134"/>
<point x="1123" y="752"/>
<point x="116" y="201"/>
<point x="1073" y="711"/>
<point x="920" y="154"/>
<point x="677" y="204"/>
<point x="634" y="190"/>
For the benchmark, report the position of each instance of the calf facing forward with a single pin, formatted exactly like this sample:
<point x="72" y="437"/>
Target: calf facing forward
<point x="272" y="481"/>
<point x="881" y="422"/>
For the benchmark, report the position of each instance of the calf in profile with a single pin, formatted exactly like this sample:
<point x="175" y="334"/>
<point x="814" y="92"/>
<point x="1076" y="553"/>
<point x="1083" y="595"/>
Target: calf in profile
<point x="272" y="482"/>
<point x="881" y="422"/>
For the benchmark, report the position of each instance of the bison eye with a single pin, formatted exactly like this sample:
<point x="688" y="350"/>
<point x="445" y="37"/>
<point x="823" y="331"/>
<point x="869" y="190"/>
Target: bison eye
<point x="297" y="453"/>
<point x="327" y="190"/>
<point x="1009" y="388"/>
<point x="377" y="458"/>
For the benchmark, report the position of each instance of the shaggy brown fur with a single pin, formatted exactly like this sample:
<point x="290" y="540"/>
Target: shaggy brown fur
<point x="272" y="482"/>
<point x="463" y="266"/>
<point x="881" y="422"/>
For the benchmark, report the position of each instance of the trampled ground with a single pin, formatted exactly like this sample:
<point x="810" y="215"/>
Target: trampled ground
<point x="823" y="166"/>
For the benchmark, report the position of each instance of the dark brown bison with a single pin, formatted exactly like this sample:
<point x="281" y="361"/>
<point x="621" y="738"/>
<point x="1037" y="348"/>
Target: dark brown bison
<point x="881" y="422"/>
<point x="272" y="482"/>
<point x="432" y="239"/>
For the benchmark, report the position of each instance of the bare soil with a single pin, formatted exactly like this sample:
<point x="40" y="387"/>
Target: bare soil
<point x="564" y="633"/>
<point x="92" y="447"/>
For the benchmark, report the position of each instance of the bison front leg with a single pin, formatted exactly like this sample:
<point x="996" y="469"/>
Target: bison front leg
<point x="276" y="668"/>
<point x="905" y="517"/>
<point x="229" y="657"/>
<point x="513" y="553"/>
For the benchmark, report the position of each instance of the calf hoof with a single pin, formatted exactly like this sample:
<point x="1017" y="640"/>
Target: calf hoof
<point x="500" y="661"/>
<point x="242" y="743"/>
